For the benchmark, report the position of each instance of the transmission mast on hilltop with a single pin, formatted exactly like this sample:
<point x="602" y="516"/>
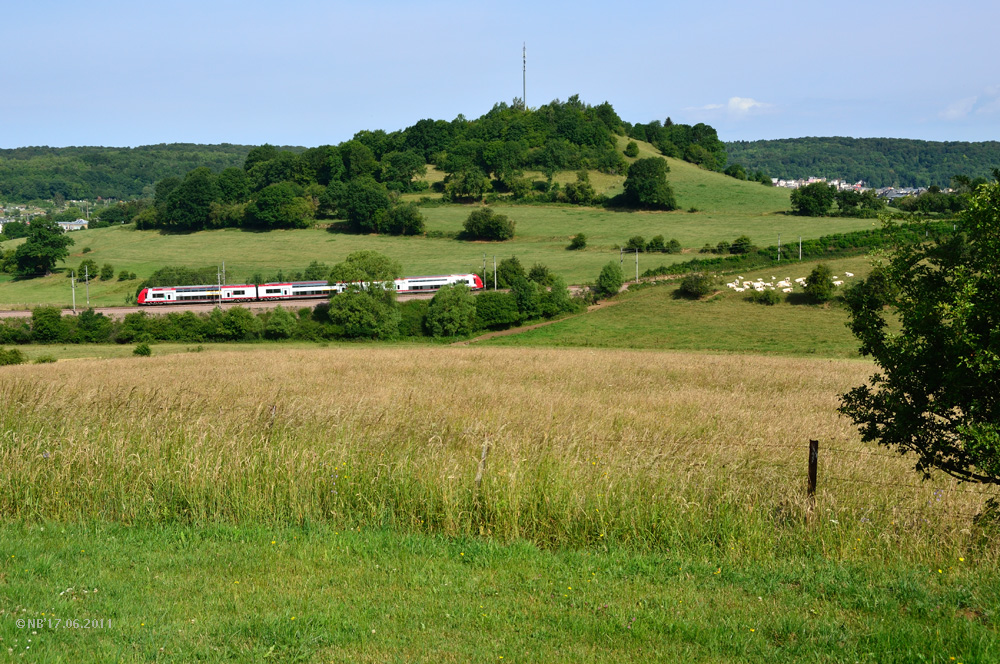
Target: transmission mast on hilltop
<point x="524" y="75"/>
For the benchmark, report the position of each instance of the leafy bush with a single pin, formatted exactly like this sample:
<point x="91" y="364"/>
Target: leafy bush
<point x="485" y="224"/>
<point x="635" y="243"/>
<point x="123" y="275"/>
<point x="45" y="359"/>
<point x="107" y="272"/>
<point x="632" y="149"/>
<point x="673" y="247"/>
<point x="495" y="310"/>
<point x="452" y="312"/>
<point x="578" y="242"/>
<point x="696" y="285"/>
<point x="142" y="350"/>
<point x="766" y="296"/>
<point x="9" y="357"/>
<point x="413" y="318"/>
<point x="508" y="271"/>
<point x="819" y="283"/>
<point x="87" y="250"/>
<point x="610" y="280"/>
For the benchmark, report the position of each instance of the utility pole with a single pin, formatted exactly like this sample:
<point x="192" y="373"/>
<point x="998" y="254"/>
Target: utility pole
<point x="779" y="247"/>
<point x="636" y="266"/>
<point x="72" y="281"/>
<point x="218" y="276"/>
<point x="86" y="273"/>
<point x="484" y="269"/>
<point x="800" y="247"/>
<point x="494" y="272"/>
<point x="223" y="271"/>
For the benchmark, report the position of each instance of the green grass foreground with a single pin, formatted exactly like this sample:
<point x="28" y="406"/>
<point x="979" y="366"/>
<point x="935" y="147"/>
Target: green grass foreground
<point x="317" y="594"/>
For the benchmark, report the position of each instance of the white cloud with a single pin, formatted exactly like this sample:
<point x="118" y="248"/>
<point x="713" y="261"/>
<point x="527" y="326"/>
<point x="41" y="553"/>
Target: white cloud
<point x="959" y="109"/>
<point x="743" y="105"/>
<point x="736" y="106"/>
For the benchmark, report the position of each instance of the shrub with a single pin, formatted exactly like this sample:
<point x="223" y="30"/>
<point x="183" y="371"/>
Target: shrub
<point x="413" y="318"/>
<point x="741" y="245"/>
<point x="508" y="271"/>
<point x="9" y="357"/>
<point x="696" y="285"/>
<point x="48" y="326"/>
<point x="87" y="250"/>
<point x="766" y="296"/>
<point x="657" y="244"/>
<point x="485" y="224"/>
<point x="280" y="324"/>
<point x="819" y="283"/>
<point x="45" y="359"/>
<point x="578" y="242"/>
<point x="722" y="248"/>
<point x="632" y="149"/>
<point x="107" y="272"/>
<point x="635" y="243"/>
<point x="540" y="274"/>
<point x="528" y="296"/>
<point x="673" y="247"/>
<point x="142" y="350"/>
<point x="452" y="312"/>
<point x="495" y="310"/>
<point x="123" y="275"/>
<point x="610" y="280"/>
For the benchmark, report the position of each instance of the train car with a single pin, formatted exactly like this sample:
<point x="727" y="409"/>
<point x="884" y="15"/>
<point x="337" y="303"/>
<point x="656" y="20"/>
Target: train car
<point x="291" y="290"/>
<point x="297" y="290"/>
<point x="434" y="283"/>
<point x="197" y="294"/>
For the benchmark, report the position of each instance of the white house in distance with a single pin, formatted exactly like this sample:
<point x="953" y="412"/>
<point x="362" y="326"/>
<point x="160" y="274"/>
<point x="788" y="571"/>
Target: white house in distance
<point x="78" y="225"/>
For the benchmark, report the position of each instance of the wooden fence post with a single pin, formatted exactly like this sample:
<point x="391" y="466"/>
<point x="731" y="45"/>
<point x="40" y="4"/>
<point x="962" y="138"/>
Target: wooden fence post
<point x="813" y="461"/>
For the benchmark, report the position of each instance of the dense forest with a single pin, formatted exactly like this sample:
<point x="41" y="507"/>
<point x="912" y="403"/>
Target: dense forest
<point x="77" y="173"/>
<point x="880" y="162"/>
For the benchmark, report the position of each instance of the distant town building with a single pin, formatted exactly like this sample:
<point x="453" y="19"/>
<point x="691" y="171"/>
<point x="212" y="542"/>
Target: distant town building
<point x="78" y="225"/>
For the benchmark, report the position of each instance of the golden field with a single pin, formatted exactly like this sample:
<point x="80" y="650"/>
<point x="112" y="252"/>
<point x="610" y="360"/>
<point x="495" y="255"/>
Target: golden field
<point x="643" y="449"/>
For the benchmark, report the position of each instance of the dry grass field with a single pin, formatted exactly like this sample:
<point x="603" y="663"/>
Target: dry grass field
<point x="645" y="450"/>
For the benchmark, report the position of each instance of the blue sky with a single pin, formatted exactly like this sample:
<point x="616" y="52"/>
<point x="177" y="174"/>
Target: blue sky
<point x="301" y="72"/>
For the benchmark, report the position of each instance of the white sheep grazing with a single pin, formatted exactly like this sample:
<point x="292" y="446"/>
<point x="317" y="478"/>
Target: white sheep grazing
<point x="800" y="280"/>
<point x="849" y="274"/>
<point x="786" y="290"/>
<point x="739" y="289"/>
<point x="838" y="283"/>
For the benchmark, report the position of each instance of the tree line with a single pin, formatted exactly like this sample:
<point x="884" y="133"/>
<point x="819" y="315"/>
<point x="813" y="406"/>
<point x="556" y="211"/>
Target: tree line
<point x="880" y="162"/>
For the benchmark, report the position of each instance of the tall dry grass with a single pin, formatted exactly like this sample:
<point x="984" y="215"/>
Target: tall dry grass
<point x="649" y="450"/>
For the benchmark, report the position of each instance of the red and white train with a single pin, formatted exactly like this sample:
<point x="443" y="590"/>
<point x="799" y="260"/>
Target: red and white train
<point x="292" y="290"/>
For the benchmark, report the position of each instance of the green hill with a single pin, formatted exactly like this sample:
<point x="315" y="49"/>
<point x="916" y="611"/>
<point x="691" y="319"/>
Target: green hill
<point x="880" y="162"/>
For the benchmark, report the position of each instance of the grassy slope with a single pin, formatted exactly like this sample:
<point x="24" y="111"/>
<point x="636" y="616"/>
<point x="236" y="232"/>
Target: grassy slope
<point x="320" y="594"/>
<point x="727" y="208"/>
<point x="655" y="318"/>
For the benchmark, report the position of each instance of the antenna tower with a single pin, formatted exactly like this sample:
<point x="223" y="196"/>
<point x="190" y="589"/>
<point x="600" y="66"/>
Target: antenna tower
<point x="524" y="75"/>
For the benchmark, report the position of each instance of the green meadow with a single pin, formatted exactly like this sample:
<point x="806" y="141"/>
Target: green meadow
<point x="726" y="209"/>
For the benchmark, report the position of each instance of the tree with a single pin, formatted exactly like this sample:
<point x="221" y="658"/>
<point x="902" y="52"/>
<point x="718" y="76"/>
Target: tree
<point x="107" y="272"/>
<point x="403" y="219"/>
<point x="467" y="184"/>
<point x="508" y="271"/>
<point x="635" y="243"/>
<point x="741" y="245"/>
<point x="280" y="324"/>
<point x="579" y="241"/>
<point x="48" y="326"/>
<point x="646" y="185"/>
<point x="528" y="296"/>
<point x="361" y="316"/>
<point x="935" y="394"/>
<point x="367" y="266"/>
<point x="452" y="312"/>
<point x="610" y="280"/>
<point x="485" y="224"/>
<point x="189" y="203"/>
<point x="813" y="200"/>
<point x="819" y="283"/>
<point x="279" y="206"/>
<point x="365" y="203"/>
<point x="495" y="310"/>
<point x="46" y="244"/>
<point x="632" y="149"/>
<point x="580" y="192"/>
